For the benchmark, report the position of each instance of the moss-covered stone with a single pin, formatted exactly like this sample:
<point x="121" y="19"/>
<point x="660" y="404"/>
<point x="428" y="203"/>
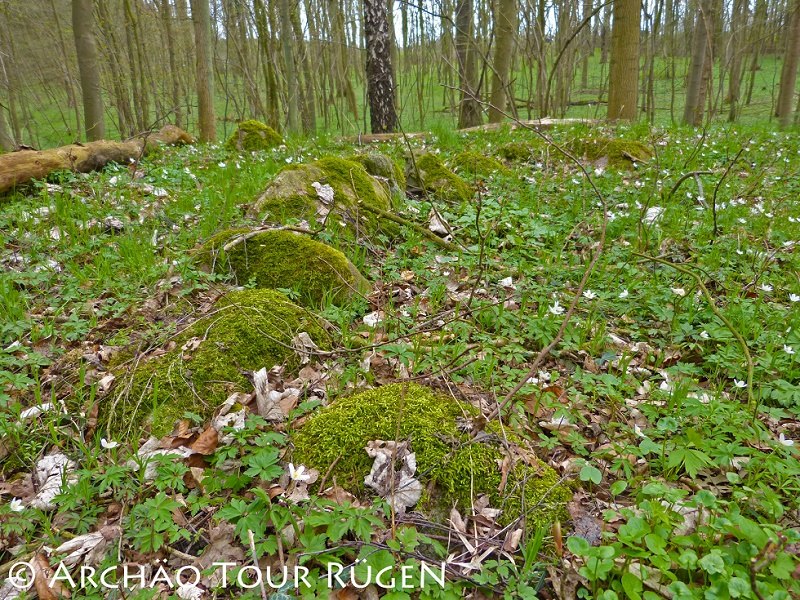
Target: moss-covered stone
<point x="285" y="259"/>
<point x="292" y="195"/>
<point x="253" y="135"/>
<point x="248" y="330"/>
<point x="518" y="151"/>
<point x="381" y="166"/>
<point x="474" y="164"/>
<point x="459" y="468"/>
<point x="618" y="152"/>
<point x="427" y="173"/>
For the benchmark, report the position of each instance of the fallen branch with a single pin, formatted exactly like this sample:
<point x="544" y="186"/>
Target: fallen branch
<point x="18" y="168"/>
<point x="429" y="235"/>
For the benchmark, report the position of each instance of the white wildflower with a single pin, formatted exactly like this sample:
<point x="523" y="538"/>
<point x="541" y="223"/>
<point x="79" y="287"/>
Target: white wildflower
<point x="589" y="295"/>
<point x="16" y="505"/>
<point x="556" y="309"/>
<point x="624" y="294"/>
<point x="785" y="441"/>
<point x="679" y="292"/>
<point x="739" y="383"/>
<point x="765" y="287"/>
<point x="704" y="335"/>
<point x="794" y="298"/>
<point x="788" y="349"/>
<point x="108" y="445"/>
<point x="298" y="474"/>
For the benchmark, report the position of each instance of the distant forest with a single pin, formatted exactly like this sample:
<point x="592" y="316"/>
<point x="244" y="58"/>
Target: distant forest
<point x="72" y="70"/>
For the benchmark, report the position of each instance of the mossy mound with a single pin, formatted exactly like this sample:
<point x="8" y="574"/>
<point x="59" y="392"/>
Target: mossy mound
<point x="292" y="195"/>
<point x="427" y="173"/>
<point x="459" y="469"/>
<point x="248" y="330"/>
<point x="618" y="152"/>
<point x="285" y="259"/>
<point x="519" y="151"/>
<point x="477" y="165"/>
<point x="253" y="135"/>
<point x="381" y="166"/>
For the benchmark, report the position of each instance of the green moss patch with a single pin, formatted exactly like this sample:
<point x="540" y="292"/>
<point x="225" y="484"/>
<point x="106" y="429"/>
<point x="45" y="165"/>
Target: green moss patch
<point x="459" y="468"/>
<point x="384" y="168"/>
<point x="427" y="173"/>
<point x="477" y="165"/>
<point x="519" y="151"/>
<point x="292" y="194"/>
<point x="285" y="259"/>
<point x="618" y="152"/>
<point x="253" y="135"/>
<point x="247" y="330"/>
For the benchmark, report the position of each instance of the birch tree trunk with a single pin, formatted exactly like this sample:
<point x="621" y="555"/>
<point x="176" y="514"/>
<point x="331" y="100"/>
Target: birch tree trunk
<point x="380" y="78"/>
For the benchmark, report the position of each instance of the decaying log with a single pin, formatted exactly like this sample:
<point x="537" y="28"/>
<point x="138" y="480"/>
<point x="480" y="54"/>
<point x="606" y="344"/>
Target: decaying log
<point x="17" y="168"/>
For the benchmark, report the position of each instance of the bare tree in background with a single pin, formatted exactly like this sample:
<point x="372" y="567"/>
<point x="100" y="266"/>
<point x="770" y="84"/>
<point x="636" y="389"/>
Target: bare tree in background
<point x="89" y="66"/>
<point x="505" y="28"/>
<point x="201" y="17"/>
<point x="701" y="49"/>
<point x="469" y="112"/>
<point x="623" y="87"/>
<point x="380" y="79"/>
<point x="789" y="70"/>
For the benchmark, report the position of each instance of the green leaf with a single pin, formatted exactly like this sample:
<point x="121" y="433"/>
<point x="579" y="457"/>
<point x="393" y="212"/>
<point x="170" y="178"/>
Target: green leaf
<point x="632" y="586"/>
<point x="634" y="530"/>
<point x="739" y="587"/>
<point x="578" y="546"/>
<point x="591" y="473"/>
<point x="783" y="566"/>
<point x="618" y="487"/>
<point x="713" y="563"/>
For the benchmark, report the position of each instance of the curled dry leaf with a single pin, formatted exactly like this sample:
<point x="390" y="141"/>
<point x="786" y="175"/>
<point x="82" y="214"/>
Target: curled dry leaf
<point x="52" y="473"/>
<point x="400" y="487"/>
<point x="305" y="347"/>
<point x="42" y="578"/>
<point x="267" y="398"/>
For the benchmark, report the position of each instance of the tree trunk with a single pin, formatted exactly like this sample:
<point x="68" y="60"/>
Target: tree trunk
<point x="738" y="19"/>
<point x="789" y="70"/>
<point x="505" y="28"/>
<point x="89" y="66"/>
<point x="6" y="141"/>
<point x="380" y="78"/>
<point x="17" y="168"/>
<point x="623" y="86"/>
<point x="166" y="16"/>
<point x="201" y="17"/>
<point x="693" y="110"/>
<point x="290" y="74"/>
<point x="470" y="109"/>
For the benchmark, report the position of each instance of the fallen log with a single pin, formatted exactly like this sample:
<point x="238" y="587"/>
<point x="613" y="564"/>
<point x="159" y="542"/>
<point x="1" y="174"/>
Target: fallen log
<point x="17" y="168"/>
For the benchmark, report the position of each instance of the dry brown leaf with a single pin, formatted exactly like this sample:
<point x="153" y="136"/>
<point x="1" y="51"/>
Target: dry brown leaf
<point x="206" y="443"/>
<point x="42" y="575"/>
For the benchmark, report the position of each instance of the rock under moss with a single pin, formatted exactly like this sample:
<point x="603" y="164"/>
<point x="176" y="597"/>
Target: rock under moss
<point x="381" y="166"/>
<point x="618" y="152"/>
<point x="292" y="195"/>
<point x="458" y="468"/>
<point x="252" y="136"/>
<point x="247" y="330"/>
<point x="518" y="151"/>
<point x="285" y="259"/>
<point x="474" y="164"/>
<point x="427" y="173"/>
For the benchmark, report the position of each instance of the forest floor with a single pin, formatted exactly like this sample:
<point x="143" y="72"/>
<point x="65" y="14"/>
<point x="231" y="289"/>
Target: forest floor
<point x="668" y="408"/>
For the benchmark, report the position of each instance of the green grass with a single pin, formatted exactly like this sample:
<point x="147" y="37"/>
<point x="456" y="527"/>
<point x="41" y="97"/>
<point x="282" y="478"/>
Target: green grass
<point x="647" y="371"/>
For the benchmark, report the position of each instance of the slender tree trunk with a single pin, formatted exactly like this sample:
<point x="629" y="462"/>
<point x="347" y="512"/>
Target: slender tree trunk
<point x="290" y="74"/>
<point x="588" y="46"/>
<point x="201" y="17"/>
<point x="89" y="66"/>
<point x="693" y="110"/>
<point x="166" y="17"/>
<point x="380" y="79"/>
<point x="623" y="87"/>
<point x="6" y="141"/>
<point x="309" y="112"/>
<point x="738" y="19"/>
<point x="470" y="109"/>
<point x="791" y="58"/>
<point x="505" y="24"/>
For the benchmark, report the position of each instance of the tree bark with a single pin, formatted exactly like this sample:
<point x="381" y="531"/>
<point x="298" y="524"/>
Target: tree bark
<point x="89" y="67"/>
<point x="290" y="73"/>
<point x="17" y="168"/>
<point x="789" y="70"/>
<point x="469" y="114"/>
<point x="380" y="78"/>
<point x="201" y="17"/>
<point x="693" y="109"/>
<point x="623" y="86"/>
<point x="505" y="28"/>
